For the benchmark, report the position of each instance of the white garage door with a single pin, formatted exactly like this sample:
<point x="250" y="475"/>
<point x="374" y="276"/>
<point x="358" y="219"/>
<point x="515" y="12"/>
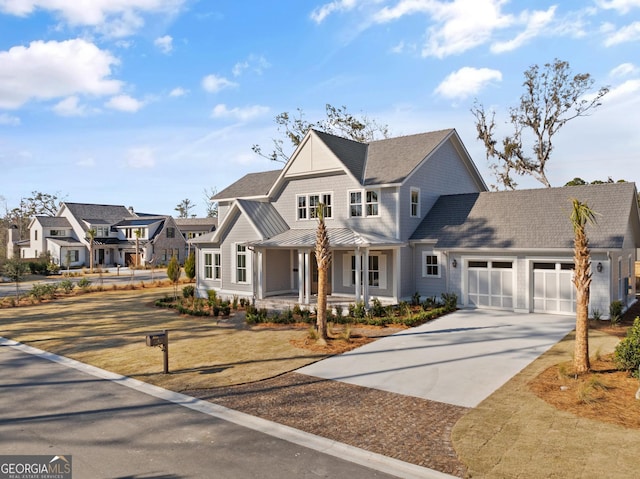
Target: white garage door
<point x="490" y="284"/>
<point x="553" y="291"/>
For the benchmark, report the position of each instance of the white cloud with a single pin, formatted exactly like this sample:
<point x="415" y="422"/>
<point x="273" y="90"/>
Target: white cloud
<point x="165" y="44"/>
<point x="70" y="106"/>
<point x="116" y="18"/>
<point x="255" y="63"/>
<point x="141" y="157"/>
<point x="466" y="82"/>
<point x="214" y="84"/>
<point x="320" y="13"/>
<point x="625" y="92"/>
<point x="536" y="23"/>
<point x="47" y="70"/>
<point x="622" y="6"/>
<point x="9" y="120"/>
<point x="629" y="33"/>
<point x="625" y="69"/>
<point x="178" y="91"/>
<point x="86" y="163"/>
<point x="242" y="114"/>
<point x="124" y="103"/>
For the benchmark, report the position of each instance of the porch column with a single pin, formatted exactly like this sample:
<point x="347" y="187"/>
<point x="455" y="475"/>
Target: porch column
<point x="358" y="274"/>
<point x="365" y="277"/>
<point x="307" y="278"/>
<point x="259" y="288"/>
<point x="300" y="276"/>
<point x="396" y="274"/>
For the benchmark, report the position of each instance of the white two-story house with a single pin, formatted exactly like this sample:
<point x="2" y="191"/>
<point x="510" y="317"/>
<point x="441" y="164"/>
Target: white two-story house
<point x="412" y="215"/>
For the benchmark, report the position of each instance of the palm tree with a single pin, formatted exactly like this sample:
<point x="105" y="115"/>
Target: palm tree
<point x="323" y="259"/>
<point x="581" y="214"/>
<point x="91" y="236"/>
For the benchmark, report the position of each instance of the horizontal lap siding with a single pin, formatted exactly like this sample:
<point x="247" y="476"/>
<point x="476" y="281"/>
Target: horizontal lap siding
<point x="277" y="271"/>
<point x="339" y="186"/>
<point x="444" y="173"/>
<point x="240" y="231"/>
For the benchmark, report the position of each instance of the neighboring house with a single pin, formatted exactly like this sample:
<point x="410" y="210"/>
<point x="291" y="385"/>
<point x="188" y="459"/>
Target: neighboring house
<point x="118" y="231"/>
<point x="194" y="227"/>
<point x="412" y="214"/>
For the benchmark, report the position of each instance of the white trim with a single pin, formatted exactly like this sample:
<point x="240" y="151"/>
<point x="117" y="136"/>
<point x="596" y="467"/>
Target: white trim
<point x="363" y="202"/>
<point x="439" y="265"/>
<point x="415" y="189"/>
<point x="322" y="196"/>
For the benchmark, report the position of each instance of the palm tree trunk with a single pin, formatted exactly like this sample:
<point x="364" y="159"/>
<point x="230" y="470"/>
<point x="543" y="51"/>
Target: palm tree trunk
<point x="323" y="259"/>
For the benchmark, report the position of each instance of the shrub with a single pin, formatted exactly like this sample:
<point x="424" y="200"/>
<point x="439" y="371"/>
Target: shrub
<point x="450" y="301"/>
<point x="244" y="302"/>
<point x="627" y="353"/>
<point x="415" y="299"/>
<point x="53" y="268"/>
<point x="287" y="316"/>
<point x="212" y="294"/>
<point x="339" y="311"/>
<point x="297" y="310"/>
<point x="84" y="284"/>
<point x="377" y="309"/>
<point x="234" y="304"/>
<point x="357" y="311"/>
<point x="225" y="308"/>
<point x="190" y="266"/>
<point x="188" y="291"/>
<point x="615" y="311"/>
<point x="67" y="285"/>
<point x="596" y="313"/>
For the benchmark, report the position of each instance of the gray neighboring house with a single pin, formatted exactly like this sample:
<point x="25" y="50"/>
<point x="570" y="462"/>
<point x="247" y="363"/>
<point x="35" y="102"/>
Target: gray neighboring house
<point x="64" y="236"/>
<point x="412" y="215"/>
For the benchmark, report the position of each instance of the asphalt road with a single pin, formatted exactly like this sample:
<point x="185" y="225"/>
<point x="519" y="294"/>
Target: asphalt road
<point x="124" y="277"/>
<point x="115" y="427"/>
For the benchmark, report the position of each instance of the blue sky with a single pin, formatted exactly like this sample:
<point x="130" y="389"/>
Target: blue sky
<point x="147" y="102"/>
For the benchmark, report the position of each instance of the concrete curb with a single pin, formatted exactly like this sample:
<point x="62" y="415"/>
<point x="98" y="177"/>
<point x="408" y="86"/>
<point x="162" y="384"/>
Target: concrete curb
<point x="339" y="450"/>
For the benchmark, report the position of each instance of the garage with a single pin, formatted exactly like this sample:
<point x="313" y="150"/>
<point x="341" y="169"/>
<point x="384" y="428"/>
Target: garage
<point x="490" y="284"/>
<point x="553" y="290"/>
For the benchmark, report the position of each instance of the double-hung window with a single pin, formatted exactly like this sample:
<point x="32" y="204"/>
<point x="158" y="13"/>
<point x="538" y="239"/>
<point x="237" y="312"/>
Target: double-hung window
<point x="376" y="271"/>
<point x="208" y="265"/>
<point x="355" y="203"/>
<point x="372" y="203"/>
<point x="217" y="266"/>
<point x="241" y="263"/>
<point x="415" y="202"/>
<point x="430" y="264"/>
<point x="307" y="205"/>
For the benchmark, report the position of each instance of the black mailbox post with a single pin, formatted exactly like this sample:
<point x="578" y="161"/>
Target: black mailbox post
<point x="161" y="339"/>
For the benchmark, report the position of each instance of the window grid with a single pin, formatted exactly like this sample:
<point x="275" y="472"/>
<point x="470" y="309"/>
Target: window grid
<point x="415" y="203"/>
<point x="241" y="263"/>
<point x="431" y="267"/>
<point x="208" y="268"/>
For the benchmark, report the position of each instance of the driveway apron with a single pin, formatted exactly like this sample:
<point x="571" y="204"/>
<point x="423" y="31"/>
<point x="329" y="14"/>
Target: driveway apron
<point x="459" y="359"/>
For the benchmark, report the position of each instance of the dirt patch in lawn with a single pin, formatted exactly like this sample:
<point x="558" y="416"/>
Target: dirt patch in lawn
<point x="604" y="394"/>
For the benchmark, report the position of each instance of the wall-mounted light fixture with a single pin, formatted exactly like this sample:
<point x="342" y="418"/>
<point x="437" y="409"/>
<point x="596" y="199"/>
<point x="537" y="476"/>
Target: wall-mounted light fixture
<point x="599" y="268"/>
<point x="454" y="263"/>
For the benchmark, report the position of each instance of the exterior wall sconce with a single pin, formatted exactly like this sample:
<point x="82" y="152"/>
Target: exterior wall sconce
<point x="599" y="268"/>
<point x="454" y="263"/>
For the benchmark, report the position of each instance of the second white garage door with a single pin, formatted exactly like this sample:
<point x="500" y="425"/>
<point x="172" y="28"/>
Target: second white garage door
<point x="490" y="284"/>
<point x="553" y="291"/>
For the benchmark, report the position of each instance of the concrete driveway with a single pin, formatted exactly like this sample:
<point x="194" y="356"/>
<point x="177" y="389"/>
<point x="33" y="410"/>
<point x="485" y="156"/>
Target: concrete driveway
<point x="459" y="359"/>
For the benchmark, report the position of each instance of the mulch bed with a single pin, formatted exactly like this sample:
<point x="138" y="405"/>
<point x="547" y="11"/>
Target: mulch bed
<point x="410" y="429"/>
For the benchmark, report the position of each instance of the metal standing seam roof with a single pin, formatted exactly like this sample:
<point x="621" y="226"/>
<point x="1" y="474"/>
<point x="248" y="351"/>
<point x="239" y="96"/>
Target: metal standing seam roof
<point x="338" y="237"/>
<point x="265" y="217"/>
<point x="528" y="219"/>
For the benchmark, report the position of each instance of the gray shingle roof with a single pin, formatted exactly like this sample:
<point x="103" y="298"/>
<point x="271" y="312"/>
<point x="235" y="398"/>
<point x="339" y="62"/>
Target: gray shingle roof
<point x="252" y="184"/>
<point x="526" y="219"/>
<point x="53" y="222"/>
<point x="393" y="159"/>
<point x="197" y="223"/>
<point x="98" y="214"/>
<point x="353" y="154"/>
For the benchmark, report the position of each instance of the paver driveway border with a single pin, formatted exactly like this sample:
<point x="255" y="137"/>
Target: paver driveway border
<point x="460" y="358"/>
<point x="327" y="446"/>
